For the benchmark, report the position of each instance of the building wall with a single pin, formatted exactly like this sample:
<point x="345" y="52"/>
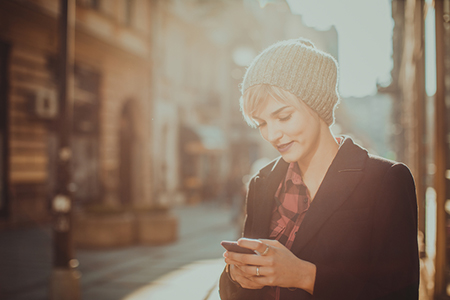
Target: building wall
<point x="28" y="75"/>
<point x="117" y="56"/>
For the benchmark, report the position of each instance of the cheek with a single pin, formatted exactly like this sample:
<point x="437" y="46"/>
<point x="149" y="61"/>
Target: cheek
<point x="297" y="128"/>
<point x="307" y="126"/>
<point x="263" y="133"/>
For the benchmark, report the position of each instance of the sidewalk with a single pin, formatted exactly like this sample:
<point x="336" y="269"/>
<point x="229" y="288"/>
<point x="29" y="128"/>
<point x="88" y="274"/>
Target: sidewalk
<point x="195" y="281"/>
<point x="189" y="267"/>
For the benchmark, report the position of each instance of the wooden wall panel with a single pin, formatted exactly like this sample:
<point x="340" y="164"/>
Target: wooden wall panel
<point x="28" y="74"/>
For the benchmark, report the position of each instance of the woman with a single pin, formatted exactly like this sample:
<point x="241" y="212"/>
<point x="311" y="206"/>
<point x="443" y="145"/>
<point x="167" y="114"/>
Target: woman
<point x="327" y="219"/>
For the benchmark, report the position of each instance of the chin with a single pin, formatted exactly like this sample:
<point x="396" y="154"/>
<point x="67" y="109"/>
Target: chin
<point x="289" y="158"/>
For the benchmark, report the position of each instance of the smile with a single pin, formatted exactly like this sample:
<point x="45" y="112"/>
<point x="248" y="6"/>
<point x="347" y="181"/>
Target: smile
<point x="284" y="147"/>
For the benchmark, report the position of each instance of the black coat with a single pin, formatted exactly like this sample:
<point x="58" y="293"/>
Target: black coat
<point x="360" y="230"/>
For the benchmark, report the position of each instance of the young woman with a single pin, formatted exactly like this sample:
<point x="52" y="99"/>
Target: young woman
<point x="327" y="219"/>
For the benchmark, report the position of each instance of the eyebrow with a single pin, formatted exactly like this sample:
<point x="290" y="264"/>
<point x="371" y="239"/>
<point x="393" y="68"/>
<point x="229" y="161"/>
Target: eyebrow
<point x="275" y="112"/>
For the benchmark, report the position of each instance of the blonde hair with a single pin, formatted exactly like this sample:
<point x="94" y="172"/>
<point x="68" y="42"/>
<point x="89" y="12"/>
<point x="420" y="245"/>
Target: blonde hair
<point x="256" y="97"/>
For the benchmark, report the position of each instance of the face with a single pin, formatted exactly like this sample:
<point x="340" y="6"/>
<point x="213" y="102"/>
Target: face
<point x="293" y="131"/>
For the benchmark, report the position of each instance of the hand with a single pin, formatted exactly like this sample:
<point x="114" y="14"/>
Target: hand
<point x="278" y="267"/>
<point x="244" y="280"/>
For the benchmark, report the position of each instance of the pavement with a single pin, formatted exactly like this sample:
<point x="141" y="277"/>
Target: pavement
<point x="186" y="269"/>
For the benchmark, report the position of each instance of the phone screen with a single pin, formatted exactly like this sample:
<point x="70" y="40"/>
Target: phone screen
<point x="234" y="247"/>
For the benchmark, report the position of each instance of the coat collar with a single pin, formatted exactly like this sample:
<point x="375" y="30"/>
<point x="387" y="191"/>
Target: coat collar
<point x="342" y="177"/>
<point x="270" y="177"/>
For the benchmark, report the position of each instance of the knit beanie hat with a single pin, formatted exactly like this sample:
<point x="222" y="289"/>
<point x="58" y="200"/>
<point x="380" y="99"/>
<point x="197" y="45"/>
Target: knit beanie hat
<point x="298" y="67"/>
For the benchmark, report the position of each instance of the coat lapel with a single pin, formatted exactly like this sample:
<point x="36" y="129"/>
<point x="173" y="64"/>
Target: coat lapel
<point x="341" y="179"/>
<point x="266" y="186"/>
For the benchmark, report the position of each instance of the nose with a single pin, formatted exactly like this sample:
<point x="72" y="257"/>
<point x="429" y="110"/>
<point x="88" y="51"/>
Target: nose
<point x="271" y="133"/>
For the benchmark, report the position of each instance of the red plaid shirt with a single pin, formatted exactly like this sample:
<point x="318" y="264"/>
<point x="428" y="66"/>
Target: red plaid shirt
<point x="292" y="201"/>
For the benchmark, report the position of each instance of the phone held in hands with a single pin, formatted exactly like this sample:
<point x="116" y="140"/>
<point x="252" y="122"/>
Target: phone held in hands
<point x="234" y="247"/>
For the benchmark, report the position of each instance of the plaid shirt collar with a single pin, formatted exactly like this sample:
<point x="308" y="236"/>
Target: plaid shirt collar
<point x="292" y="177"/>
<point x="291" y="203"/>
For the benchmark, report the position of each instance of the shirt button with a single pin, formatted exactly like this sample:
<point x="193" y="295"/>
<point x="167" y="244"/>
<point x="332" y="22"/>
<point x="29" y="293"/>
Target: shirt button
<point x="305" y="200"/>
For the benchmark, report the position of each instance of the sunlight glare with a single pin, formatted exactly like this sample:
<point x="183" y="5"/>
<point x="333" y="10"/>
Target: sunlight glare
<point x="191" y="282"/>
<point x="364" y="36"/>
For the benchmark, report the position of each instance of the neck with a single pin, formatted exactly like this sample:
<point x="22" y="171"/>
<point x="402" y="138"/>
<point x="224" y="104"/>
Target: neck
<point x="313" y="170"/>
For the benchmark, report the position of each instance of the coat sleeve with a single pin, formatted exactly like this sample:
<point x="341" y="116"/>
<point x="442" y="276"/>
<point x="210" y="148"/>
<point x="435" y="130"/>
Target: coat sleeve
<point x="394" y="262"/>
<point x="228" y="289"/>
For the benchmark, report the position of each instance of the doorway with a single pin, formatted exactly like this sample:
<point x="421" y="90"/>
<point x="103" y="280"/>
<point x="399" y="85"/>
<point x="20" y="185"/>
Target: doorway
<point x="126" y="149"/>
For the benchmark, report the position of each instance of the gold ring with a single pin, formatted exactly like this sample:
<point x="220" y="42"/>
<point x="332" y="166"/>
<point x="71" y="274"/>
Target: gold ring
<point x="265" y="251"/>
<point x="257" y="272"/>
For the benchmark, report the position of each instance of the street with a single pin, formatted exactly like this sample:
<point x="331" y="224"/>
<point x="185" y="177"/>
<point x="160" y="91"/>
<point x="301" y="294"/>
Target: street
<point x="132" y="273"/>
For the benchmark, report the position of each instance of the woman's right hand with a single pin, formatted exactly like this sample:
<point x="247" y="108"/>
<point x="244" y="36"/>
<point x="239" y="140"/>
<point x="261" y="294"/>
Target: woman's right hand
<point x="275" y="266"/>
<point x="242" y="278"/>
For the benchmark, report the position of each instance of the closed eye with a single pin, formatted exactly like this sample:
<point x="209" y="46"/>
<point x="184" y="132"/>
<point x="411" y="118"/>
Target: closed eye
<point x="285" y="118"/>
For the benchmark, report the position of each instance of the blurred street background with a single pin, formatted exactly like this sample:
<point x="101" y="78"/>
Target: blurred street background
<point x="124" y="157"/>
<point x="191" y="264"/>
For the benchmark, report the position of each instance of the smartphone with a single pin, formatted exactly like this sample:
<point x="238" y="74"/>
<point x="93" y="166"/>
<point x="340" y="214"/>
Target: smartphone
<point x="234" y="247"/>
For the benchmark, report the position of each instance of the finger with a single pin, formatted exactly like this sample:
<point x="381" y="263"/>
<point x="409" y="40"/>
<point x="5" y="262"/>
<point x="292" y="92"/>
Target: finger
<point x="263" y="249"/>
<point x="273" y="243"/>
<point x="233" y="262"/>
<point x="262" y="280"/>
<point x="237" y="272"/>
<point x="230" y="260"/>
<point x="244" y="279"/>
<point x="251" y="280"/>
<point x="241" y="257"/>
<point x="249" y="243"/>
<point x="258" y="245"/>
<point x="246" y="259"/>
<point x="252" y="270"/>
<point x="235" y="258"/>
<point x="241" y="272"/>
<point x="248" y="282"/>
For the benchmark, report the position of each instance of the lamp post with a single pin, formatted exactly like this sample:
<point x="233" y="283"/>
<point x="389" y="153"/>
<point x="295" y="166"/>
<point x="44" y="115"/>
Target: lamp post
<point x="64" y="281"/>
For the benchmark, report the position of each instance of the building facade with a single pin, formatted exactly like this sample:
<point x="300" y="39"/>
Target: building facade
<point x="111" y="106"/>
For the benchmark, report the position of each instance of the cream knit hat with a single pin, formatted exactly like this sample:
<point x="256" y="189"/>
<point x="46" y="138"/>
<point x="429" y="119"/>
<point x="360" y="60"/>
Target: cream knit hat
<point x="298" y="67"/>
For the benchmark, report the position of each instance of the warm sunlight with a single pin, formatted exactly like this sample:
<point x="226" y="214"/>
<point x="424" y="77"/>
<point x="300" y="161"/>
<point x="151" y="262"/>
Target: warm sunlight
<point x="364" y="39"/>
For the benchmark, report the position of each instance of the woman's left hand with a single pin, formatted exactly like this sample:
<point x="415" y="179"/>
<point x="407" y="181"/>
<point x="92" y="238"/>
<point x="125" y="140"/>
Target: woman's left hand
<point x="277" y="267"/>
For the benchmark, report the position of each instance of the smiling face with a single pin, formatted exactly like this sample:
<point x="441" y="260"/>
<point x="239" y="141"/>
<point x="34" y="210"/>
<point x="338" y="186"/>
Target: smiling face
<point x="293" y="130"/>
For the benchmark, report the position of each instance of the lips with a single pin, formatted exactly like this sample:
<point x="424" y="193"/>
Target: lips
<point x="284" y="147"/>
